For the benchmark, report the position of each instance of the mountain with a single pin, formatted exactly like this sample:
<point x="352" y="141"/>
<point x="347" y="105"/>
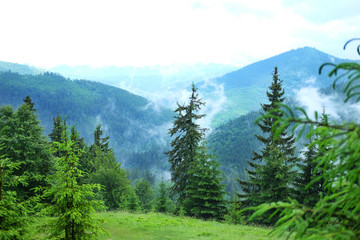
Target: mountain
<point x="233" y="143"/>
<point x="19" y="68"/>
<point x="246" y="88"/>
<point x="134" y="126"/>
<point x="147" y="81"/>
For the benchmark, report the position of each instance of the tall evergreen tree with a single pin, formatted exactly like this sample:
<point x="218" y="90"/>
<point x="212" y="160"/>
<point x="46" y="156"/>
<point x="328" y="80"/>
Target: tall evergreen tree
<point x="304" y="192"/>
<point x="188" y="135"/>
<point x="145" y="194"/>
<point x="13" y="211"/>
<point x="163" y="201"/>
<point x="72" y="209"/>
<point x="204" y="191"/>
<point x="56" y="133"/>
<point x="271" y="170"/>
<point x="337" y="214"/>
<point x="24" y="142"/>
<point x="102" y="168"/>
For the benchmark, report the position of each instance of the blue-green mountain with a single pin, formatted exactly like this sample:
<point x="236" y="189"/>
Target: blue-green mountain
<point x="246" y="88"/>
<point x="134" y="126"/>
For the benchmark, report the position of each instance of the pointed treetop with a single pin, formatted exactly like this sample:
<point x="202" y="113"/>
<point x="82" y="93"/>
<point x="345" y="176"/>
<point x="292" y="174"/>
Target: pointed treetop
<point x="29" y="102"/>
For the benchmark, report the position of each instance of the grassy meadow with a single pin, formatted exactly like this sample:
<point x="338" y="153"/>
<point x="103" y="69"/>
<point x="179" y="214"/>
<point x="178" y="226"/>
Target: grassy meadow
<point x="151" y="226"/>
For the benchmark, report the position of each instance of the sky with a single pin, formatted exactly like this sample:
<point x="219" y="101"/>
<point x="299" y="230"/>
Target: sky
<point x="46" y="33"/>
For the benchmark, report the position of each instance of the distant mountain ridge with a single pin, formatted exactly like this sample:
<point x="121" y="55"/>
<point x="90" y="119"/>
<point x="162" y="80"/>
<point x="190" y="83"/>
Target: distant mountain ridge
<point x="246" y="88"/>
<point x="146" y="79"/>
<point x="19" y="68"/>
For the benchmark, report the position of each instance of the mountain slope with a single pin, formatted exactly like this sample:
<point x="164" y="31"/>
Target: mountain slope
<point x="246" y="88"/>
<point x="19" y="68"/>
<point x="147" y="79"/>
<point x="133" y="124"/>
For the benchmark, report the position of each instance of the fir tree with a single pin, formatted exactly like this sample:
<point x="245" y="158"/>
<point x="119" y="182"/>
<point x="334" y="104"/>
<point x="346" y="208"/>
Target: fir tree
<point x="24" y="142"/>
<point x="305" y="192"/>
<point x="13" y="211"/>
<point x="72" y="206"/>
<point x="102" y="168"/>
<point x="271" y="170"/>
<point x="337" y="214"/>
<point x="132" y="200"/>
<point x="188" y="135"/>
<point x="163" y="200"/>
<point x="309" y="186"/>
<point x="204" y="191"/>
<point x="145" y="194"/>
<point x="56" y="133"/>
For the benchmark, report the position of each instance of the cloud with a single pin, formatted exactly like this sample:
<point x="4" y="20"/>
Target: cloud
<point x="215" y="101"/>
<point x="313" y="100"/>
<point x="141" y="32"/>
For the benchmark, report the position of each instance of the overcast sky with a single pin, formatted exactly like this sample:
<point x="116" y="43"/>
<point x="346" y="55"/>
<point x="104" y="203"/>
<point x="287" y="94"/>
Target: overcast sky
<point x="46" y="33"/>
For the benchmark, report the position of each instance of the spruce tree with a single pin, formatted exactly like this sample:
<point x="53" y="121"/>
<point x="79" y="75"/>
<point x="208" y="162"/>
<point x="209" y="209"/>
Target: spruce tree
<point x="305" y="192"/>
<point x="145" y="194"/>
<point x="271" y="171"/>
<point x="102" y="167"/>
<point x="56" y="133"/>
<point x="72" y="206"/>
<point x="163" y="201"/>
<point x="188" y="134"/>
<point x="337" y="214"/>
<point x="24" y="142"/>
<point x="13" y="211"/>
<point x="131" y="200"/>
<point x="204" y="191"/>
<point x="309" y="186"/>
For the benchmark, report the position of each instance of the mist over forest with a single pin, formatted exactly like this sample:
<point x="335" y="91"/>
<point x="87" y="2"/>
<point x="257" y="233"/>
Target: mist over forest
<point x="179" y="139"/>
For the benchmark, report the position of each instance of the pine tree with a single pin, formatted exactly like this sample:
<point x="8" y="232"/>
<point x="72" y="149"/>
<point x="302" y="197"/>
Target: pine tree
<point x="102" y="167"/>
<point x="337" y="214"/>
<point x="24" y="142"/>
<point x="13" y="211"/>
<point x="163" y="200"/>
<point x="271" y="170"/>
<point x="304" y="192"/>
<point x="56" y="133"/>
<point x="204" y="191"/>
<point x="131" y="200"/>
<point x="309" y="187"/>
<point x="72" y="206"/>
<point x="145" y="194"/>
<point x="188" y="135"/>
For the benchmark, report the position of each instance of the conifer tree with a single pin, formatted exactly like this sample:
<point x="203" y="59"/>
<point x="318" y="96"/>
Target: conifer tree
<point x="304" y="192"/>
<point x="57" y="132"/>
<point x="163" y="200"/>
<point x="13" y="211"/>
<point x="72" y="206"/>
<point x="188" y="135"/>
<point x="337" y="214"/>
<point x="309" y="187"/>
<point x="103" y="168"/>
<point x="271" y="171"/>
<point x="204" y="191"/>
<point x="24" y="142"/>
<point x="131" y="200"/>
<point x="145" y="194"/>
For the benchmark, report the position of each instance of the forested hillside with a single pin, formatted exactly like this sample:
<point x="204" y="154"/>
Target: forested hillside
<point x="244" y="89"/>
<point x="133" y="125"/>
<point x="233" y="144"/>
<point x="19" y="68"/>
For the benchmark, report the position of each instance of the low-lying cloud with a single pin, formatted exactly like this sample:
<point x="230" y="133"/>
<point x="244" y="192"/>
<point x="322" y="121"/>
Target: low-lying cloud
<point x="313" y="100"/>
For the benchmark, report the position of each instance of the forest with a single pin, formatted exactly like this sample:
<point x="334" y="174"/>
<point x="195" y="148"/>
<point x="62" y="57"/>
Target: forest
<point x="58" y="177"/>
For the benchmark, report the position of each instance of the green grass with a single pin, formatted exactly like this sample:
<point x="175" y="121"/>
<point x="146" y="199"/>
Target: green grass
<point x="151" y="226"/>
